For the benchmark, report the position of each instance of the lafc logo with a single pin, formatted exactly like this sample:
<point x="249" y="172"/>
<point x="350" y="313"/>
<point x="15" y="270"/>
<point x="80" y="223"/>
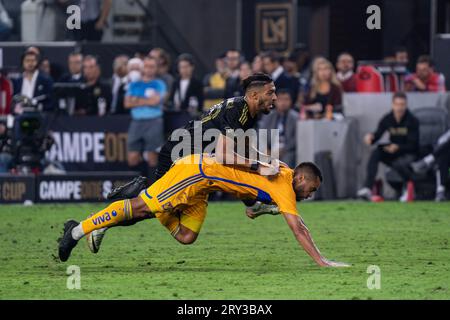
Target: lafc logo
<point x="74" y="20"/>
<point x="274" y="30"/>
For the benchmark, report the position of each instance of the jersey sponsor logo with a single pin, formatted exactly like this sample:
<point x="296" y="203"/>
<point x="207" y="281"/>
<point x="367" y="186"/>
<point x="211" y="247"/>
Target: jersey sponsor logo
<point x="101" y="219"/>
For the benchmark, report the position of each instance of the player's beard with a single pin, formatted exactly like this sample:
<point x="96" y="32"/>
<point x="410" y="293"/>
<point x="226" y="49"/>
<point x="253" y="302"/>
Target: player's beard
<point x="298" y="197"/>
<point x="262" y="106"/>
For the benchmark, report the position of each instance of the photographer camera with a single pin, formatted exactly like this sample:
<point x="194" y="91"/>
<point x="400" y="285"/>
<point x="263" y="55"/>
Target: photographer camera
<point x="30" y="138"/>
<point x="5" y="148"/>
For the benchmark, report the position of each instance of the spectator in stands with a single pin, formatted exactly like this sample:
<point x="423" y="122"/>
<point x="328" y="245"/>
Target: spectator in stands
<point x="401" y="55"/>
<point x="75" y="66"/>
<point x="304" y="67"/>
<point x="34" y="83"/>
<point x="439" y="160"/>
<point x="425" y="79"/>
<point x="325" y="94"/>
<point x="45" y="66"/>
<point x="285" y="120"/>
<point x="6" y="23"/>
<point x="134" y="68"/>
<point x="33" y="49"/>
<point x="163" y="59"/>
<point x="187" y="91"/>
<point x="233" y="61"/>
<point x="119" y="84"/>
<point x="214" y="83"/>
<point x="233" y="85"/>
<point x="291" y="68"/>
<point x="97" y="95"/>
<point x="272" y="66"/>
<point x="345" y="65"/>
<point x="94" y="16"/>
<point x="6" y="92"/>
<point x="402" y="149"/>
<point x="290" y="65"/>
<point x="144" y="98"/>
<point x="257" y="64"/>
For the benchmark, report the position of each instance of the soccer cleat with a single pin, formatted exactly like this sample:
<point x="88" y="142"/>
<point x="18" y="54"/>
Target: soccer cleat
<point x="94" y="239"/>
<point x="129" y="190"/>
<point x="419" y="167"/>
<point x="365" y="194"/>
<point x="67" y="242"/>
<point x="260" y="208"/>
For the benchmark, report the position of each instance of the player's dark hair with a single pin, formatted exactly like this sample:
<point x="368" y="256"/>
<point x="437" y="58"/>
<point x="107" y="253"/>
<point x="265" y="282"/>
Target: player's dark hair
<point x="310" y="168"/>
<point x="256" y="80"/>
<point x="400" y="95"/>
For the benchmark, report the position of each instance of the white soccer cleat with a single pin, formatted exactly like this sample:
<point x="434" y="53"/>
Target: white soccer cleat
<point x="260" y="208"/>
<point x="94" y="239"/>
<point x="365" y="194"/>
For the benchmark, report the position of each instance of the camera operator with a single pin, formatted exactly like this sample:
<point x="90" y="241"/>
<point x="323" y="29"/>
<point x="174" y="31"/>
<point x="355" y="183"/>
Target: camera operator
<point x="5" y="154"/>
<point x="29" y="135"/>
<point x="34" y="83"/>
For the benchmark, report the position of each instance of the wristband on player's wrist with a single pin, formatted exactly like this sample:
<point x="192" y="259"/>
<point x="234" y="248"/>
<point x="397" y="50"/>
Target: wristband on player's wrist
<point x="254" y="166"/>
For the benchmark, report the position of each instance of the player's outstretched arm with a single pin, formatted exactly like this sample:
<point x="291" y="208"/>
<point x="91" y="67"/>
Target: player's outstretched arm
<point x="303" y="236"/>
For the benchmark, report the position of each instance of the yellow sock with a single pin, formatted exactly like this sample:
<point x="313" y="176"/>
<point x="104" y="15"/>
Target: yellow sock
<point x="110" y="216"/>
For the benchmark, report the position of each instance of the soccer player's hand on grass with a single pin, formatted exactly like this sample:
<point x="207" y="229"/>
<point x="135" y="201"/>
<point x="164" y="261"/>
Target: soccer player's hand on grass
<point x="334" y="264"/>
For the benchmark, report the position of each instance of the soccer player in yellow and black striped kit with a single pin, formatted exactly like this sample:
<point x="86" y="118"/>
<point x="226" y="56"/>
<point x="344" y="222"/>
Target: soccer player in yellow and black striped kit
<point x="179" y="200"/>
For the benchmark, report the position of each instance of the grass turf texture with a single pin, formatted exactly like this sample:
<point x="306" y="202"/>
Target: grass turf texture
<point x="234" y="257"/>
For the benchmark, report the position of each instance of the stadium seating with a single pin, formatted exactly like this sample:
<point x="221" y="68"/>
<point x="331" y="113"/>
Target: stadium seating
<point x="369" y="79"/>
<point x="433" y="123"/>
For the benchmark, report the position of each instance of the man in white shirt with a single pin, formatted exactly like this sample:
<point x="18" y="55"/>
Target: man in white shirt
<point x="33" y="83"/>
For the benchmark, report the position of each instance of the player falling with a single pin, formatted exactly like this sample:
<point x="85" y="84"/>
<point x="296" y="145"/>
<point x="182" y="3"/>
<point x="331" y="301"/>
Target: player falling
<point x="179" y="200"/>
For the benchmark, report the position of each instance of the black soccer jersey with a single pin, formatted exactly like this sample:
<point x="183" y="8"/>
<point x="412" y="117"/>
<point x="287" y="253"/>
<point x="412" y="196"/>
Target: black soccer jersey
<point x="232" y="114"/>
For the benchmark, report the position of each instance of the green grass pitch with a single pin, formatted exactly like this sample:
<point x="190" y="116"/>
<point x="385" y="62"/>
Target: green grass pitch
<point x="234" y="257"/>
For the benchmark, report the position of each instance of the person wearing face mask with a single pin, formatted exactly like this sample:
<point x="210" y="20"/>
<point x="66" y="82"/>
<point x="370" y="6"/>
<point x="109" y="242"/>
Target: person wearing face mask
<point x="134" y="67"/>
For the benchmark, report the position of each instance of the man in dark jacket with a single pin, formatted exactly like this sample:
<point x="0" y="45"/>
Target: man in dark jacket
<point x="34" y="83"/>
<point x="403" y="128"/>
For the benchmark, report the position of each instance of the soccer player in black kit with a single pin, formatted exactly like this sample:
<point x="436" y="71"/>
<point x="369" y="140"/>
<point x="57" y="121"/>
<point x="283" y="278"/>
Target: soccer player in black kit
<point x="231" y="114"/>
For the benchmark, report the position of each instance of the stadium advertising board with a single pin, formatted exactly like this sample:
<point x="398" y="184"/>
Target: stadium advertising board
<point x="16" y="189"/>
<point x="78" y="187"/>
<point x="90" y="143"/>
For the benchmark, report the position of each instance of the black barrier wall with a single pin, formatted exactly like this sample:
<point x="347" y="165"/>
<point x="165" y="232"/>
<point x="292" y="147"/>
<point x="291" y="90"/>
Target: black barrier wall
<point x="73" y="187"/>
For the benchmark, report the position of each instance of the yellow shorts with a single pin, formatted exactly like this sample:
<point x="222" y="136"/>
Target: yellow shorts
<point x="179" y="197"/>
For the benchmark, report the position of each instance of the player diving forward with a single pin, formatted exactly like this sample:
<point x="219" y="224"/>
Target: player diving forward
<point x="231" y="114"/>
<point x="179" y="200"/>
